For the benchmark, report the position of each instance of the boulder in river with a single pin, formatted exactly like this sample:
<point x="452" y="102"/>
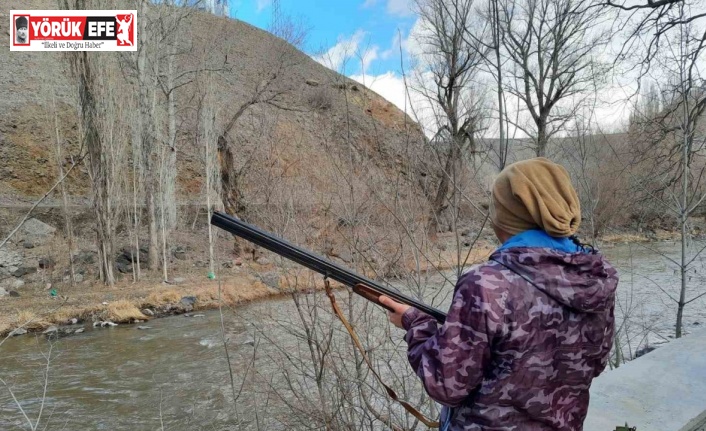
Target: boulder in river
<point x="187" y="303"/>
<point x="188" y="300"/>
<point x="18" y="331"/>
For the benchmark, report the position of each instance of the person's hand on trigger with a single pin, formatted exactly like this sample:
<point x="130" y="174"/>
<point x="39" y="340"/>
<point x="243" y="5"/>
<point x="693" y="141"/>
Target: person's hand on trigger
<point x="396" y="316"/>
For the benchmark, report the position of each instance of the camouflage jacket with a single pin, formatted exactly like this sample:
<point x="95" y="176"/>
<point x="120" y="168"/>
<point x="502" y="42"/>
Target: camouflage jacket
<point x="525" y="335"/>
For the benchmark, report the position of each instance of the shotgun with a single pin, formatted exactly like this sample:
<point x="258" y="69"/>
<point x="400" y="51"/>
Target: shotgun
<point x="363" y="286"/>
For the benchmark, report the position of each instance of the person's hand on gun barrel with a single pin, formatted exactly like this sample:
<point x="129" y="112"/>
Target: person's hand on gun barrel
<point x="396" y="316"/>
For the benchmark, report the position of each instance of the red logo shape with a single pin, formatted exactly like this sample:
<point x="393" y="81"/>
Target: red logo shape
<point x="125" y="31"/>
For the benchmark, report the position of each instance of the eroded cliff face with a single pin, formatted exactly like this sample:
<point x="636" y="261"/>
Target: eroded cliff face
<point x="306" y="117"/>
<point x="319" y="157"/>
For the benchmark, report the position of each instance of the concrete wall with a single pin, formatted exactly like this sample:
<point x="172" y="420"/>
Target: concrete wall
<point x="664" y="390"/>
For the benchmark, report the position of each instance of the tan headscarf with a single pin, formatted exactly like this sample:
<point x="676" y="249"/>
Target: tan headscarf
<point x="535" y="193"/>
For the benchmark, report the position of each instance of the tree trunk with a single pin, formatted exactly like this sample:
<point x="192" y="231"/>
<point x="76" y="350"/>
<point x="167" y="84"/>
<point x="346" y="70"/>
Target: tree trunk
<point x="97" y="168"/>
<point x="542" y="137"/>
<point x="162" y="178"/>
<point x="64" y="196"/>
<point x="502" y="150"/>
<point x="230" y="185"/>
<point x="618" y="353"/>
<point x="439" y="200"/>
<point x="684" y="214"/>
<point x="682" y="270"/>
<point x="147" y="140"/>
<point x="171" y="159"/>
<point x="211" y="172"/>
<point x="136" y="219"/>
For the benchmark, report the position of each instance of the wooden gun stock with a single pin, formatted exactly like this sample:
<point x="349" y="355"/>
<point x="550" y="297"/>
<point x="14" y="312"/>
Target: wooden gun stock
<point x="371" y="294"/>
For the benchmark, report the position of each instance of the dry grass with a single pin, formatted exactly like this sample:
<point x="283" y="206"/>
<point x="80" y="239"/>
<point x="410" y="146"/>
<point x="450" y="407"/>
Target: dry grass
<point x="161" y="297"/>
<point x="233" y="292"/>
<point x="125" y="302"/>
<point x="450" y="259"/>
<point x="124" y="311"/>
<point x="624" y="237"/>
<point x="30" y="320"/>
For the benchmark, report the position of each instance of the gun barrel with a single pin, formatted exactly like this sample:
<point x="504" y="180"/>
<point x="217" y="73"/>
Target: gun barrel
<point x="312" y="261"/>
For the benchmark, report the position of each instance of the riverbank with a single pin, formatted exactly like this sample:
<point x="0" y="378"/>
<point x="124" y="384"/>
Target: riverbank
<point x="126" y="303"/>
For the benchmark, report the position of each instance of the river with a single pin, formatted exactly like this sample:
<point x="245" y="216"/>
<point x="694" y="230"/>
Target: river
<point x="175" y="375"/>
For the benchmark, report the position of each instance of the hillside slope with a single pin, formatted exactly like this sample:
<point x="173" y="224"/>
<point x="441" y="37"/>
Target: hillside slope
<point x="318" y="111"/>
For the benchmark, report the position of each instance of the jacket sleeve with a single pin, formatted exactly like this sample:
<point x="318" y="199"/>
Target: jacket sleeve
<point x="450" y="359"/>
<point x="607" y="344"/>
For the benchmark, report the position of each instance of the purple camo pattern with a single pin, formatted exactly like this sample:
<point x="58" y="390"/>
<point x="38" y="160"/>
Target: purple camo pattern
<point x="516" y="356"/>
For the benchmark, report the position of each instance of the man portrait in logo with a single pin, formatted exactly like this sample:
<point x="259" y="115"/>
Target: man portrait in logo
<point x="21" y="33"/>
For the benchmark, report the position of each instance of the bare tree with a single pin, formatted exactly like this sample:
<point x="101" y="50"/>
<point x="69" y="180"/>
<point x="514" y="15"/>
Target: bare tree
<point x="64" y="193"/>
<point x="102" y="137"/>
<point x="672" y="142"/>
<point x="206" y="139"/>
<point x="271" y="91"/>
<point x="688" y="102"/>
<point x="146" y="131"/>
<point x="448" y="64"/>
<point x="82" y="68"/>
<point x="497" y="66"/>
<point x="286" y="27"/>
<point x="553" y="46"/>
<point x="647" y="22"/>
<point x="170" y="49"/>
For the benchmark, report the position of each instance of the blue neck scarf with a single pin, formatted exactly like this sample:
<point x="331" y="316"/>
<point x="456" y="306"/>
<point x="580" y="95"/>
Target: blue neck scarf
<point x="541" y="239"/>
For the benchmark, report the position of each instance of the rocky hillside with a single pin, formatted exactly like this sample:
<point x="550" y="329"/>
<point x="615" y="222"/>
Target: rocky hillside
<point x="314" y="117"/>
<point x="314" y="144"/>
<point x="317" y="111"/>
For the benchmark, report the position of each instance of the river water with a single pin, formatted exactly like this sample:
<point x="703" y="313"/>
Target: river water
<point x="175" y="375"/>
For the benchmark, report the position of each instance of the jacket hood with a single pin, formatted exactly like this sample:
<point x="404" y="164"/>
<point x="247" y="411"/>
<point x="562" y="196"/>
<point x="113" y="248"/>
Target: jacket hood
<point x="585" y="282"/>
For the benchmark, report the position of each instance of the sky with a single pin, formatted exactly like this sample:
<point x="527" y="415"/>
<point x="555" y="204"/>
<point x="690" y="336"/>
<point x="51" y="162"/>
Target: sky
<point x="370" y="27"/>
<point x="370" y="40"/>
<point x="359" y="38"/>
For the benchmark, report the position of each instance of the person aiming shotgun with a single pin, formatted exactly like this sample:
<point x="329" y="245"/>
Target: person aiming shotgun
<point x="528" y="330"/>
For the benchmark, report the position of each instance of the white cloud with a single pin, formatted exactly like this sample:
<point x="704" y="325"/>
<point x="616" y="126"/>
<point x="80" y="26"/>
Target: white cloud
<point x="369" y="56"/>
<point x="369" y="3"/>
<point x="611" y="110"/>
<point x="262" y="4"/>
<point x="336" y="56"/>
<point x="411" y="44"/>
<point x="391" y="86"/>
<point x="399" y="7"/>
<point x="395" y="48"/>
